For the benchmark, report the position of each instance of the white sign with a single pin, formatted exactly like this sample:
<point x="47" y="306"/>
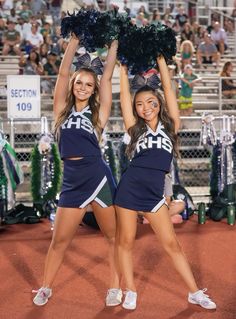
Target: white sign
<point x="23" y="96"/>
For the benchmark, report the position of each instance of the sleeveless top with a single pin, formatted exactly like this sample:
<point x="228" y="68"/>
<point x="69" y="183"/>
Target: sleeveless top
<point x="153" y="150"/>
<point x="78" y="136"/>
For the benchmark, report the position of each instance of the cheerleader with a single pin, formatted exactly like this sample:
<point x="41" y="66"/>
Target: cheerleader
<point x="141" y="188"/>
<point x="81" y="108"/>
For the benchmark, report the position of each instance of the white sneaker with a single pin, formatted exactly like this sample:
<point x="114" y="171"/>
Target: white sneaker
<point x="114" y="297"/>
<point x="130" y="300"/>
<point x="43" y="294"/>
<point x="200" y="298"/>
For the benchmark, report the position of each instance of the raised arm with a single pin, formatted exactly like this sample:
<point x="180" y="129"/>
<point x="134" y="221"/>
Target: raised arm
<point x="61" y="88"/>
<point x="125" y="98"/>
<point x="169" y="93"/>
<point x="105" y="91"/>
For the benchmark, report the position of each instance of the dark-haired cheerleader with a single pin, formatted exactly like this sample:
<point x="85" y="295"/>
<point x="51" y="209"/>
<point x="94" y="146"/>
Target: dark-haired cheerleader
<point x="141" y="188"/>
<point x="81" y="108"/>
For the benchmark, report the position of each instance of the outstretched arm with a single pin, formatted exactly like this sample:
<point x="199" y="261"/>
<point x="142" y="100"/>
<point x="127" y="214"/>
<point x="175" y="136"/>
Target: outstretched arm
<point x="125" y="98"/>
<point x="61" y="88"/>
<point x="105" y="91"/>
<point x="170" y="96"/>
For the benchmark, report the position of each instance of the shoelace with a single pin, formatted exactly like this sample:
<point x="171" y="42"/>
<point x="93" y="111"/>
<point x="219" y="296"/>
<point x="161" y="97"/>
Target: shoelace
<point x="205" y="296"/>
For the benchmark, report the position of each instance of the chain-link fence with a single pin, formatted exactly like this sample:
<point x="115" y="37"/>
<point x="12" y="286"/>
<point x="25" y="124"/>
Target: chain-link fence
<point x="194" y="163"/>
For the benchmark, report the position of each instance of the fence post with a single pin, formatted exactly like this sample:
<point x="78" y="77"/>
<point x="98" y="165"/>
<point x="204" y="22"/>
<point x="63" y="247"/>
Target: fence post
<point x="12" y="133"/>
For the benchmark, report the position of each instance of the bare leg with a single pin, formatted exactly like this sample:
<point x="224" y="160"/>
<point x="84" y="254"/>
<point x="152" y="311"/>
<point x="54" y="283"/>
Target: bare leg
<point x="127" y="226"/>
<point x="162" y="226"/>
<point x="106" y="219"/>
<point x="66" y="224"/>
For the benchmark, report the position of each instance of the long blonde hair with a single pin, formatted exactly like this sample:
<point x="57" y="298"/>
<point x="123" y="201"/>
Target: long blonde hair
<point x="190" y="46"/>
<point x="70" y="102"/>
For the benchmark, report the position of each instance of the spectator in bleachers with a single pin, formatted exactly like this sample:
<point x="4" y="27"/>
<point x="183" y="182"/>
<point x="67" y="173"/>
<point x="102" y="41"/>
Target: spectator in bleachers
<point x="166" y="20"/>
<point x="219" y="37"/>
<point x="187" y="33"/>
<point x="55" y="9"/>
<point x="23" y="26"/>
<point x="188" y="80"/>
<point x="46" y="31"/>
<point x="25" y="12"/>
<point x="207" y="51"/>
<point x="51" y="68"/>
<point x="52" y="65"/>
<point x="186" y="52"/>
<point x="31" y="65"/>
<point x="55" y="40"/>
<point x="37" y="6"/>
<point x="228" y="25"/>
<point x="33" y="39"/>
<point x="211" y="26"/>
<point x="167" y="15"/>
<point x="11" y="40"/>
<point x="143" y="10"/>
<point x="43" y="52"/>
<point x="228" y="87"/>
<point x="141" y="20"/>
<point x="198" y="33"/>
<point x="181" y="18"/>
<point x="155" y="18"/>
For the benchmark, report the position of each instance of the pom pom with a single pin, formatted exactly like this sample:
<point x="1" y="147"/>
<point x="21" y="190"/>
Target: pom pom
<point x="139" y="47"/>
<point x="94" y="29"/>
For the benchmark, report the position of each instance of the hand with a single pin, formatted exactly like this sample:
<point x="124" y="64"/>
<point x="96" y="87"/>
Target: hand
<point x="74" y="37"/>
<point x="114" y="43"/>
<point x="124" y="68"/>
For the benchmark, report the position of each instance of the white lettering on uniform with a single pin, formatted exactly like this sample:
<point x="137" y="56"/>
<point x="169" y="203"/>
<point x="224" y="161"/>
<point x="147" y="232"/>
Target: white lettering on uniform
<point x="79" y="124"/>
<point x="167" y="145"/>
<point x="141" y="145"/>
<point x="86" y="125"/>
<point x="154" y="143"/>
<point x="76" y="122"/>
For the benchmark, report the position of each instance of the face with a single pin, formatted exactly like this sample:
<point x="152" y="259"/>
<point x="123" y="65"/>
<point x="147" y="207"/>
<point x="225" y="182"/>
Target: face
<point x="207" y="38"/>
<point x="230" y="68"/>
<point x="33" y="56"/>
<point x="216" y="26"/>
<point x="147" y="106"/>
<point x="188" y="71"/>
<point x="84" y="86"/>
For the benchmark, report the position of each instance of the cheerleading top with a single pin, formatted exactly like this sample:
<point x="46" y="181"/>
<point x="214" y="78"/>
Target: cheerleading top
<point x="78" y="136"/>
<point x="154" y="150"/>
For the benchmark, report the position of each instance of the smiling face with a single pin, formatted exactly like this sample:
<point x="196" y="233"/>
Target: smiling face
<point x="147" y="107"/>
<point x="84" y="86"/>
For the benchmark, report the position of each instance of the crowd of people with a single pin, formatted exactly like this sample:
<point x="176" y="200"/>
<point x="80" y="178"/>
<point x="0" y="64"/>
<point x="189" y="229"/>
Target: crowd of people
<point x="31" y="30"/>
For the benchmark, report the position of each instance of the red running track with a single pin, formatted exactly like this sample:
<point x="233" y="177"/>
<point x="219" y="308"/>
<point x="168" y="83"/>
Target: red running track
<point x="81" y="284"/>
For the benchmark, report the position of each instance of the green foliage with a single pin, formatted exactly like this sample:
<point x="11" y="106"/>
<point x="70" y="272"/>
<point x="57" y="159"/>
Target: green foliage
<point x="36" y="175"/>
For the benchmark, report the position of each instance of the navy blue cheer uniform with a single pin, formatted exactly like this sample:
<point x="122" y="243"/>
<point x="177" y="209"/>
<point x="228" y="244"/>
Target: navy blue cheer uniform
<point x="89" y="178"/>
<point x="141" y="187"/>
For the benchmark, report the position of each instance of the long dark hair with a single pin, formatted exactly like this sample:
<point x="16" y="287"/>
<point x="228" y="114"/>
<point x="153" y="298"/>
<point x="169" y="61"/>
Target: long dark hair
<point x="140" y="127"/>
<point x="70" y="102"/>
